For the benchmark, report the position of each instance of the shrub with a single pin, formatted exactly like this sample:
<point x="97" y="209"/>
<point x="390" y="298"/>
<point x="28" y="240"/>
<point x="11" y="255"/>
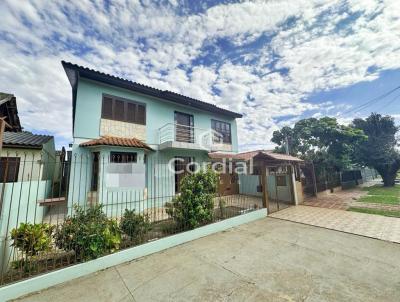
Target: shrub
<point x="32" y="238"/>
<point x="135" y="226"/>
<point x="194" y="206"/>
<point x="89" y="233"/>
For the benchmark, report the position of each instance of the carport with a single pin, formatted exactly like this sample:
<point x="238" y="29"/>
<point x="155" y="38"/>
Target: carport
<point x="272" y="177"/>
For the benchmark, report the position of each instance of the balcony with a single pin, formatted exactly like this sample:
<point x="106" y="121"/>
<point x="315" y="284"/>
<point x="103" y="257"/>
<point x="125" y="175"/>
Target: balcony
<point x="187" y="137"/>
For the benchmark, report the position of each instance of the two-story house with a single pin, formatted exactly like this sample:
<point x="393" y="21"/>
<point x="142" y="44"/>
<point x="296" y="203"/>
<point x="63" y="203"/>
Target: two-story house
<point x="125" y="135"/>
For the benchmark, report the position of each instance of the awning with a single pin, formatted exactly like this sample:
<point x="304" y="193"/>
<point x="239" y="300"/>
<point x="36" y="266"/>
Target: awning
<point x="245" y="156"/>
<point x="116" y="141"/>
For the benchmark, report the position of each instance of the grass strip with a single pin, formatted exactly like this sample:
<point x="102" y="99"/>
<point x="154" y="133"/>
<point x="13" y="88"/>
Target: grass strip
<point x="375" y="212"/>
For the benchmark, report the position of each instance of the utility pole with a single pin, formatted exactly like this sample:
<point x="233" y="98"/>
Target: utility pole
<point x="294" y="186"/>
<point x="287" y="145"/>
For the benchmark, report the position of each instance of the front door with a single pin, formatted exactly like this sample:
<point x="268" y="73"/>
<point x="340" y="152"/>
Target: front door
<point x="95" y="171"/>
<point x="184" y="127"/>
<point x="181" y="165"/>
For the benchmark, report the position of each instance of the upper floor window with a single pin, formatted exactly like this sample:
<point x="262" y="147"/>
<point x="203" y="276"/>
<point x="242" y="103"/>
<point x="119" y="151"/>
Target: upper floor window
<point x="114" y="108"/>
<point x="223" y="130"/>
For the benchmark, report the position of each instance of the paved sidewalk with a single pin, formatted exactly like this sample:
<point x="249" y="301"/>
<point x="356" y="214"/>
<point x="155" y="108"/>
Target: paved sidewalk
<point x="340" y="200"/>
<point x="266" y="260"/>
<point x="374" y="226"/>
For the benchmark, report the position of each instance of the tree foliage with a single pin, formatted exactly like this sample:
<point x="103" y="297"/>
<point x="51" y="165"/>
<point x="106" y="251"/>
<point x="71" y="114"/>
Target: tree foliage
<point x="379" y="150"/>
<point x="326" y="142"/>
<point x="194" y="206"/>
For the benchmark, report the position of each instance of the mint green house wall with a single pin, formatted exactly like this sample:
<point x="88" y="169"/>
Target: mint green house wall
<point x="158" y="112"/>
<point x="160" y="180"/>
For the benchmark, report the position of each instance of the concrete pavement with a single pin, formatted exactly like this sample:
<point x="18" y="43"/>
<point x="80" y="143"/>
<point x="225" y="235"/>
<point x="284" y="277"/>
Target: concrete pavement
<point x="374" y="226"/>
<point x="266" y="260"/>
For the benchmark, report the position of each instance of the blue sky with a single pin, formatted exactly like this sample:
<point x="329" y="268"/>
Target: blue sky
<point x="274" y="61"/>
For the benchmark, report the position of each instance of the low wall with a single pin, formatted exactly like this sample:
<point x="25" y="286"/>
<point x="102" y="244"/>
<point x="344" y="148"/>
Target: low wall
<point x="44" y="281"/>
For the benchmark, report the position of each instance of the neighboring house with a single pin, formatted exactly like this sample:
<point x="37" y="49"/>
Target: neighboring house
<point x="27" y="164"/>
<point x="26" y="157"/>
<point x="117" y="121"/>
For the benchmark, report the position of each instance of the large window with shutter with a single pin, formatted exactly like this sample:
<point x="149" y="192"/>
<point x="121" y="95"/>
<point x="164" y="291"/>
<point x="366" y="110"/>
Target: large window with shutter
<point x="223" y="132"/>
<point x="119" y="109"/>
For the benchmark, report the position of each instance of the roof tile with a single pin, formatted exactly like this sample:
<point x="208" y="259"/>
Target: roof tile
<point x="116" y="141"/>
<point x="251" y="154"/>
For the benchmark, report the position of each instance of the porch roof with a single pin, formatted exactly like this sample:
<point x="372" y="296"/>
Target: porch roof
<point x="267" y="154"/>
<point x="116" y="141"/>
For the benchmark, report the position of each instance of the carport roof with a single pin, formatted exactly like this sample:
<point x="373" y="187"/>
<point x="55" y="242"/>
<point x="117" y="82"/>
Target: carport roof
<point x="269" y="154"/>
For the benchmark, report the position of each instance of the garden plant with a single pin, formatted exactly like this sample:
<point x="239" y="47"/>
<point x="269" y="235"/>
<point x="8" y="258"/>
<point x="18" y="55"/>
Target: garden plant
<point x="89" y="233"/>
<point x="134" y="225"/>
<point x="194" y="206"/>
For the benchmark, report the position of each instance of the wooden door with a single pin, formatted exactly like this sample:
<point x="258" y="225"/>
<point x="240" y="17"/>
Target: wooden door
<point x="181" y="163"/>
<point x="228" y="184"/>
<point x="95" y="171"/>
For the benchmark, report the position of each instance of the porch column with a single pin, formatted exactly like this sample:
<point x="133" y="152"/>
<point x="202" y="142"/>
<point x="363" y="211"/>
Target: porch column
<point x="265" y="200"/>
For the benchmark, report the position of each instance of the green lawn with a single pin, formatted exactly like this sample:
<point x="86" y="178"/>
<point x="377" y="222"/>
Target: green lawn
<point x="376" y="212"/>
<point x="381" y="194"/>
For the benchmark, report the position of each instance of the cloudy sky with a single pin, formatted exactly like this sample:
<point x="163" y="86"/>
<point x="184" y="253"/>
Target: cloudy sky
<point x="273" y="61"/>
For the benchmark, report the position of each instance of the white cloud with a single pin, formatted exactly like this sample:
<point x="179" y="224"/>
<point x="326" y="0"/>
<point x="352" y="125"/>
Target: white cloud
<point x="320" y="49"/>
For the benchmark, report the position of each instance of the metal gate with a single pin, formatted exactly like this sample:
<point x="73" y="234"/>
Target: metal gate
<point x="280" y="188"/>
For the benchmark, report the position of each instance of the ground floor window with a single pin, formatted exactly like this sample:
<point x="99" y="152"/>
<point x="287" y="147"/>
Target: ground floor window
<point x="123" y="157"/>
<point x="9" y="168"/>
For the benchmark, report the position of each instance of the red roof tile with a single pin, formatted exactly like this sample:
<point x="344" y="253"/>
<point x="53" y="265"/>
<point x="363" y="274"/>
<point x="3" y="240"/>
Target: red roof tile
<point x="116" y="141"/>
<point x="251" y="154"/>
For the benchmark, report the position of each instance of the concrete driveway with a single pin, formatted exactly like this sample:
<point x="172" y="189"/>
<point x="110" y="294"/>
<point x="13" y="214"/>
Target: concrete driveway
<point x="266" y="260"/>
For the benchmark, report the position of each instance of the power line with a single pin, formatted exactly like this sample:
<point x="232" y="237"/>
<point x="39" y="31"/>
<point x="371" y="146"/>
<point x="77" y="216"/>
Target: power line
<point x="366" y="104"/>
<point x="390" y="102"/>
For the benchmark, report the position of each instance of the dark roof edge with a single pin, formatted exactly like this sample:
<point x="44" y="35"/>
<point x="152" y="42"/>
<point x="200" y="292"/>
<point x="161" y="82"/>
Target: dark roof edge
<point x="23" y="146"/>
<point x="74" y="70"/>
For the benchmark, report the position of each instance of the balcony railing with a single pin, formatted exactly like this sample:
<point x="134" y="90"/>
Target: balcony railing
<point x="175" y="135"/>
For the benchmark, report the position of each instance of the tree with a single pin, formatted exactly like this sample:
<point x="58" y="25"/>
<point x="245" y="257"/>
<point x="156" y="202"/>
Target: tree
<point x="379" y="150"/>
<point x="327" y="143"/>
